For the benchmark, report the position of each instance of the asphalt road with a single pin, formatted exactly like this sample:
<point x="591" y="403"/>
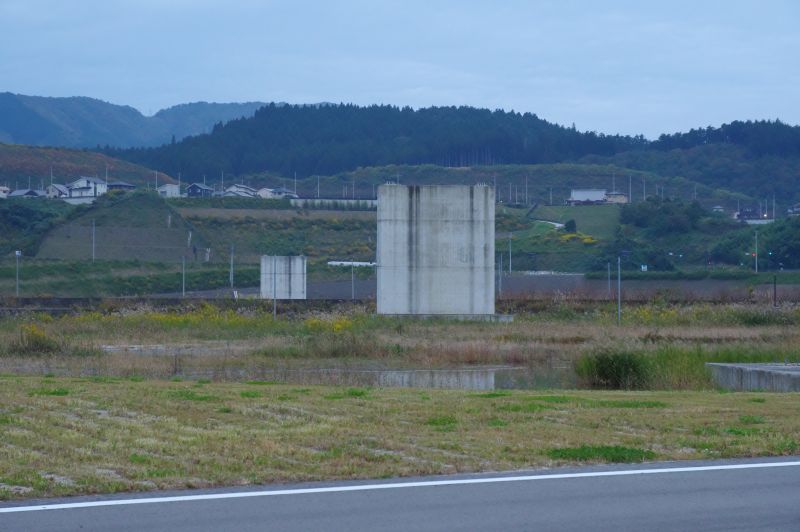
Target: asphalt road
<point x="749" y="496"/>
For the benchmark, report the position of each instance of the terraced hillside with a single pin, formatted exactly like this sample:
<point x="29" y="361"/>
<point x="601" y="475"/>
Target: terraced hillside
<point x="137" y="226"/>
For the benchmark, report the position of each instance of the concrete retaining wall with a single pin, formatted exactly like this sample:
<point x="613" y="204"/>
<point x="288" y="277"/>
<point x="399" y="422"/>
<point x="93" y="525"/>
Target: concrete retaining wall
<point x="335" y="204"/>
<point x="286" y="274"/>
<point x="756" y="377"/>
<point x="435" y="249"/>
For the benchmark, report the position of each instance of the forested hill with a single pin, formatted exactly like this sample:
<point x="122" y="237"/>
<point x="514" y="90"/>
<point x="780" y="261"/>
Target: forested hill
<point x="760" y="137"/>
<point x="328" y="139"/>
<point x="760" y="159"/>
<point x="78" y="122"/>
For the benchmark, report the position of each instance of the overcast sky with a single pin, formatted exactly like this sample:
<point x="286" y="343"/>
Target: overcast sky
<point x="611" y="66"/>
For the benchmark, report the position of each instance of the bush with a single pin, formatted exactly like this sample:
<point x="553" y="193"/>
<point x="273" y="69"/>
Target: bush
<point x="570" y="226"/>
<point x="33" y="341"/>
<point x="619" y="370"/>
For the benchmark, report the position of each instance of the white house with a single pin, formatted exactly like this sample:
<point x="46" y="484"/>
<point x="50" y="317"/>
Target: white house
<point x="87" y="187"/>
<point x="266" y="193"/>
<point x="240" y="191"/>
<point x="283" y="192"/>
<point x="27" y="193"/>
<point x="587" y="196"/>
<point x="169" y="190"/>
<point x="4" y="192"/>
<point x="56" y="191"/>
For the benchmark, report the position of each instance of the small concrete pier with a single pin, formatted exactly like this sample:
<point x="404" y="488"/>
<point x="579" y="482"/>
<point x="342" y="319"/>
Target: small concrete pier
<point x="773" y="377"/>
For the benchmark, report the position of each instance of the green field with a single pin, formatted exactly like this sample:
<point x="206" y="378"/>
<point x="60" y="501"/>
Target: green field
<point x="599" y="221"/>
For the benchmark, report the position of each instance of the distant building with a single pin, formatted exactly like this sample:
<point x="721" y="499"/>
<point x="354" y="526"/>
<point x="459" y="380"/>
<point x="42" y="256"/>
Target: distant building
<point x="87" y="187"/>
<point x="169" y="190"/>
<point x="794" y="210"/>
<point x="587" y="196"/>
<point x="56" y="191"/>
<point x="199" y="190"/>
<point x="240" y="191"/>
<point x="283" y="192"/>
<point x="4" y="192"/>
<point x="121" y="185"/>
<point x="616" y="197"/>
<point x="718" y="209"/>
<point x="27" y="193"/>
<point x="753" y="217"/>
<point x="266" y="193"/>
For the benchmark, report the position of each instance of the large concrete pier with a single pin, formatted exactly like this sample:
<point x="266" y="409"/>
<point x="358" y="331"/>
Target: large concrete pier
<point x="435" y="250"/>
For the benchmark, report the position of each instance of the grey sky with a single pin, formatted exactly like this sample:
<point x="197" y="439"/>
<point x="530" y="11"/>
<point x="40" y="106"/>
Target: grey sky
<point x="611" y="66"/>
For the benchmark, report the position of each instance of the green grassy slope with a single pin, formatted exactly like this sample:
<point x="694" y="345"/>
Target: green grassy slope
<point x="24" y="222"/>
<point x="600" y="221"/>
<point x="139" y="226"/>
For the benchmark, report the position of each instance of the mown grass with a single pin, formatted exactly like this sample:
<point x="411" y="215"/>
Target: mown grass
<point x="141" y="435"/>
<point x="604" y="453"/>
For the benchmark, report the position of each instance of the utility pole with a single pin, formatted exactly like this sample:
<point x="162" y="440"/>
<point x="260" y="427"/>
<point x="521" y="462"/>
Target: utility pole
<point x="352" y="280"/>
<point x="183" y="276"/>
<point x="93" y="239"/>
<point x="274" y="287"/>
<point x="756" y="253"/>
<point x="500" y="276"/>
<point x="230" y="275"/>
<point x="509" y="252"/>
<point x="551" y="195"/>
<point x="317" y="187"/>
<point x="18" y="254"/>
<point x="630" y="189"/>
<point x="619" y="291"/>
<point x="609" y="280"/>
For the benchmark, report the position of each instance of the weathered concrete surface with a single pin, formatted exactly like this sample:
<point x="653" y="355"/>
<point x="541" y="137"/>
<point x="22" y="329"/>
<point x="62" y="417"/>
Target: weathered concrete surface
<point x="435" y="249"/>
<point x="286" y="274"/>
<point x="756" y="377"/>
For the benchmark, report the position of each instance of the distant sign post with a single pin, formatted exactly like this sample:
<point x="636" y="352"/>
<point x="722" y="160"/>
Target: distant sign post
<point x="17" y="255"/>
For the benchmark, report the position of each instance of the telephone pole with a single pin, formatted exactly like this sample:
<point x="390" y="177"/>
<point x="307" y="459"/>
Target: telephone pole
<point x="230" y="275"/>
<point x="756" y="253"/>
<point x="619" y="291"/>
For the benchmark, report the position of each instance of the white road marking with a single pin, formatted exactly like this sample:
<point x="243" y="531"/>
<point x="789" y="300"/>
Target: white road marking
<point x="395" y="485"/>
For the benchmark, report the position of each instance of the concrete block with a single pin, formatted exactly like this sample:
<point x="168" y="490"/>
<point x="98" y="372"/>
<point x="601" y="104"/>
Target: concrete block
<point x="756" y="377"/>
<point x="286" y="275"/>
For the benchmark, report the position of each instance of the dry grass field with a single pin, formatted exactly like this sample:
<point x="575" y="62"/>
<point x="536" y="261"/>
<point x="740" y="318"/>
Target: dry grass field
<point x="239" y="344"/>
<point x="138" y="398"/>
<point x="64" y="436"/>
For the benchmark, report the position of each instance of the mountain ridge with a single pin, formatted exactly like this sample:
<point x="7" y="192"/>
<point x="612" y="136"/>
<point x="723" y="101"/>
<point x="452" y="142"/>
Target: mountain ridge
<point x="84" y="122"/>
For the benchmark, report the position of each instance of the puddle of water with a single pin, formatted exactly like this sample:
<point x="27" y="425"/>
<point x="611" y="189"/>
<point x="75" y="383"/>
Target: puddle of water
<point x="219" y="362"/>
